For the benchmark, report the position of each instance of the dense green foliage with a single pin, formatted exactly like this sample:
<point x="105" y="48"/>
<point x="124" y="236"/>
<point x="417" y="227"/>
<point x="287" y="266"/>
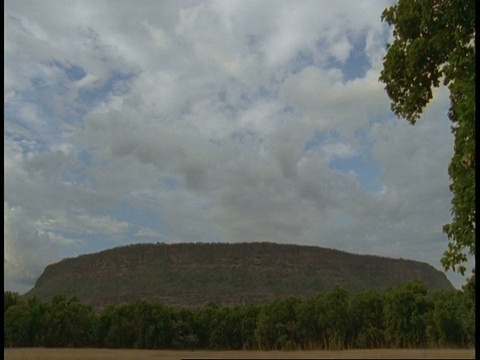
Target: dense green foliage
<point x="406" y="316"/>
<point x="434" y="41"/>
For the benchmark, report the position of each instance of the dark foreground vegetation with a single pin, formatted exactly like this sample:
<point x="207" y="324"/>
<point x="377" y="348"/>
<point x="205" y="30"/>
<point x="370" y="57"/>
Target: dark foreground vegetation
<point x="406" y="316"/>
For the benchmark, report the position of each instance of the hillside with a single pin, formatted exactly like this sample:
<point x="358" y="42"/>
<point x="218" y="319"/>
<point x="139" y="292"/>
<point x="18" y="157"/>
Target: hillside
<point x="190" y="274"/>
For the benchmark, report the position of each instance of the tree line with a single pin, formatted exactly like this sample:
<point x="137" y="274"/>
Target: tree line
<point x="406" y="316"/>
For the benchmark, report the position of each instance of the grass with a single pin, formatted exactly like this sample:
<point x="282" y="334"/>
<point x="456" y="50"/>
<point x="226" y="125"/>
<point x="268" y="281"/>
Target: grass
<point x="109" y="354"/>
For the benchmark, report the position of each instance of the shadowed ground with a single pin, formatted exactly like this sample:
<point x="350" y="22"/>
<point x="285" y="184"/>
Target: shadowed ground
<point x="107" y="354"/>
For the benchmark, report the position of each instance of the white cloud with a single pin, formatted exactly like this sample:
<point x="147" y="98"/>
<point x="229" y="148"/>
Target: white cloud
<point x="333" y="104"/>
<point x="338" y="150"/>
<point x="187" y="121"/>
<point x="85" y="224"/>
<point x="144" y="232"/>
<point x="26" y="252"/>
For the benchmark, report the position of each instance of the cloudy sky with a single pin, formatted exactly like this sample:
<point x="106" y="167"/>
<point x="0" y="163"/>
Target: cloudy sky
<point x="212" y="121"/>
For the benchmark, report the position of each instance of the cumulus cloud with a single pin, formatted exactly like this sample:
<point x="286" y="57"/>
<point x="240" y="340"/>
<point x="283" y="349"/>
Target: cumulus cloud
<point x="86" y="224"/>
<point x="214" y="121"/>
<point x="26" y="252"/>
<point x="332" y="103"/>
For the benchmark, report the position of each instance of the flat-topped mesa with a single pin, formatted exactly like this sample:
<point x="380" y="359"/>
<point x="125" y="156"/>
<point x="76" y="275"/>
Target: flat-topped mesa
<point x="190" y="274"/>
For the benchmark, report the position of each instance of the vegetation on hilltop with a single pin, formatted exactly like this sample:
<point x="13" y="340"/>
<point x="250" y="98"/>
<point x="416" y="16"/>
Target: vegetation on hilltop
<point x="229" y="274"/>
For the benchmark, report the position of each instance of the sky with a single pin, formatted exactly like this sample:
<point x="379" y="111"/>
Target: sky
<point x="212" y="121"/>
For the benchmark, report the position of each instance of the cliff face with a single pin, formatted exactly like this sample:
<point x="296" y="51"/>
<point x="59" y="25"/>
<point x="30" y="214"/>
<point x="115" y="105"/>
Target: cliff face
<point x="192" y="274"/>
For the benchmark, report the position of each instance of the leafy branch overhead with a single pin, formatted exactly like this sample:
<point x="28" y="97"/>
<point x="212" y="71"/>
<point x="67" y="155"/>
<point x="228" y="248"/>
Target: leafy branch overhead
<point x="434" y="43"/>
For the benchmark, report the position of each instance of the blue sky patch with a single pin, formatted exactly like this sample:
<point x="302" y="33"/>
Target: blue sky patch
<point x="90" y="97"/>
<point x="366" y="170"/>
<point x="320" y="138"/>
<point x="170" y="183"/>
<point x="140" y="216"/>
<point x="363" y="165"/>
<point x="357" y="63"/>
<point x="73" y="72"/>
<point x="301" y="61"/>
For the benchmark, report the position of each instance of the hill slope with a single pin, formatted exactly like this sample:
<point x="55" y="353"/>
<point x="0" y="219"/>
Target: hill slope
<point x="192" y="274"/>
